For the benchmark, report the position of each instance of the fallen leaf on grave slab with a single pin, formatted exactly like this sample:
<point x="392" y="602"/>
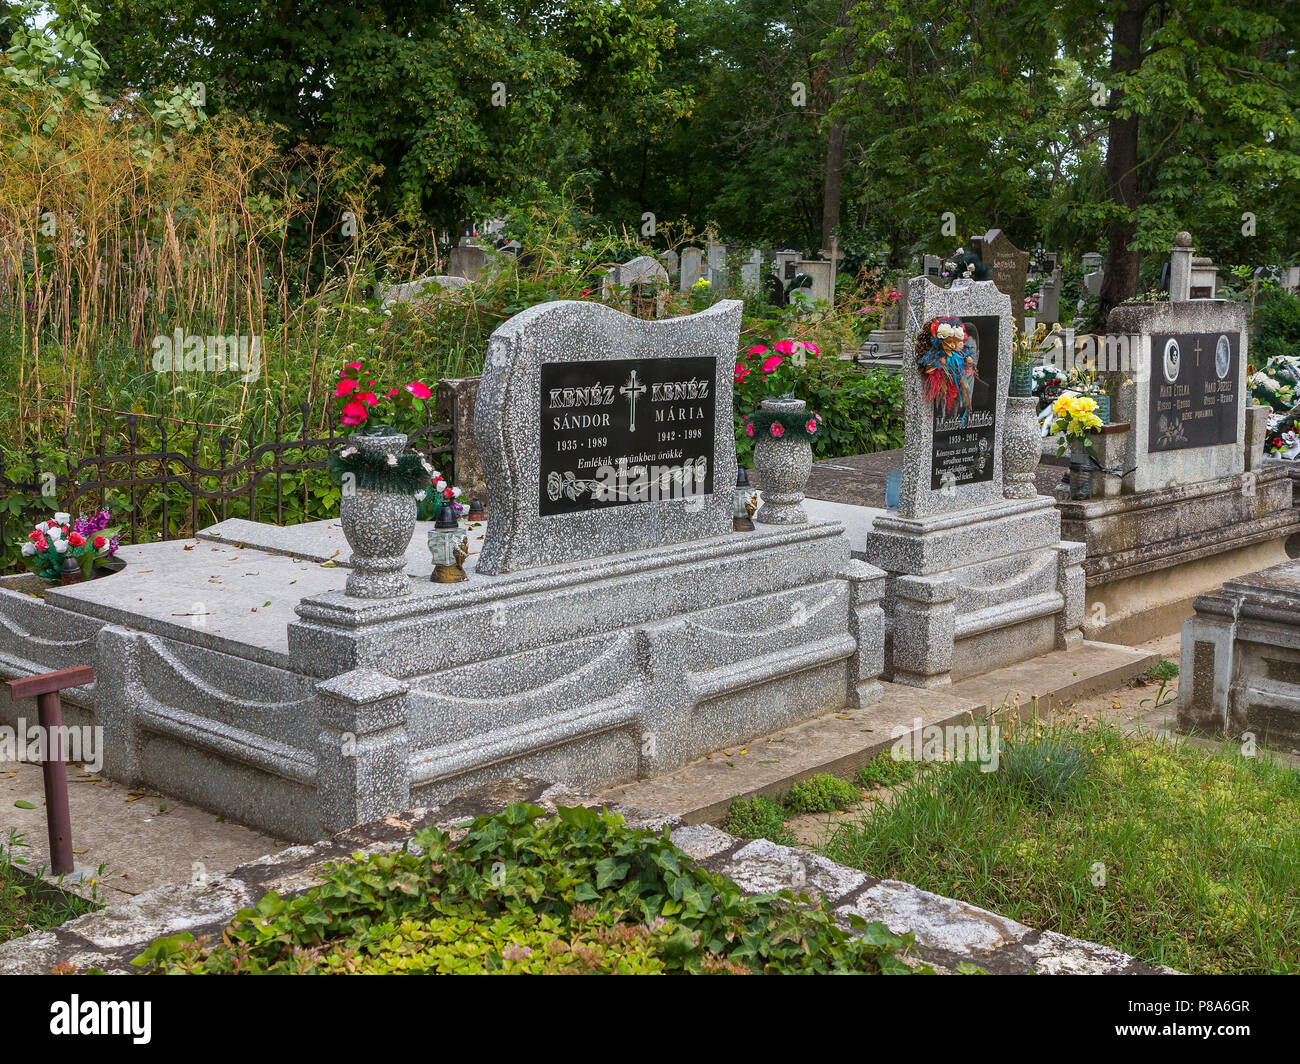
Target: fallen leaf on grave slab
<point x="744" y="751"/>
<point x="731" y="764"/>
<point x="770" y="761"/>
<point x="144" y="570"/>
<point x="190" y="547"/>
<point x="10" y="776"/>
<point x="843" y="718"/>
<point x="328" y="565"/>
<point x="267" y="602"/>
<point x="80" y="851"/>
<point x="336" y="554"/>
<point x="293" y="581"/>
<point x="708" y="757"/>
<point x="23" y="804"/>
<point x="727" y="752"/>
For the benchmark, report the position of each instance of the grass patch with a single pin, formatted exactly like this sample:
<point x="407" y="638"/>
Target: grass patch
<point x="884" y="770"/>
<point x="822" y="793"/>
<point x="1177" y="855"/>
<point x="524" y="892"/>
<point x="758" y="818"/>
<point x="27" y="903"/>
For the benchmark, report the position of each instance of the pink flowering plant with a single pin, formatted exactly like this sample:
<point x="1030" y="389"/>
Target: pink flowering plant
<point x="88" y="541"/>
<point x="362" y="402"/>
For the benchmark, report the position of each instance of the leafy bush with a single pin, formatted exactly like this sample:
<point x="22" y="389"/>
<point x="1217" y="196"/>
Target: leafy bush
<point x="822" y="793"/>
<point x="1277" y="327"/>
<point x="758" y="818"/>
<point x="1050" y="767"/>
<point x="526" y="892"/>
<point x="885" y="771"/>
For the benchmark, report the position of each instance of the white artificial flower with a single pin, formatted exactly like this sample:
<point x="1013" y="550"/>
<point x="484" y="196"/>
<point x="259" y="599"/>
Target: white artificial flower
<point x="62" y="519"/>
<point x="455" y="493"/>
<point x="60" y="545"/>
<point x="44" y="526"/>
<point x="347" y="452"/>
<point x="54" y="533"/>
<point x="425" y="462"/>
<point x="439" y="485"/>
<point x="419" y="495"/>
<point x="391" y="459"/>
<point x="29" y="549"/>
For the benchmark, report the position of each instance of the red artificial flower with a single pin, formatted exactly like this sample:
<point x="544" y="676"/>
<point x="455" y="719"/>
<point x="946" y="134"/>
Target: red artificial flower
<point x="784" y="346"/>
<point x="449" y="493"/>
<point x="742" y="371"/>
<point x="812" y="424"/>
<point x="98" y="542"/>
<point x="777" y="430"/>
<point x="354" y="412"/>
<point x="350" y="365"/>
<point x="419" y="390"/>
<point x="369" y="398"/>
<point x="771" y="362"/>
<point x="749" y="429"/>
<point x="392" y="393"/>
<point x="75" y="539"/>
<point x="346" y="387"/>
<point x="757" y="349"/>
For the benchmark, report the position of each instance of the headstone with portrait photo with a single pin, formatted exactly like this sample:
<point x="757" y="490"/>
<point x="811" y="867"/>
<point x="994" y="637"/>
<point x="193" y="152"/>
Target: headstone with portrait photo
<point x="975" y="579"/>
<point x="1189" y="390"/>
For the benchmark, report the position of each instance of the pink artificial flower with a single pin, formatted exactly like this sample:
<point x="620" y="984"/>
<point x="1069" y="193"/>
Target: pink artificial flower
<point x="345" y="387"/>
<point x="771" y="362"/>
<point x="350" y="365"/>
<point x="812" y="349"/>
<point x="369" y="398"/>
<point x="391" y="393"/>
<point x="777" y="430"/>
<point x="742" y="371"/>
<point x="749" y="429"/>
<point x="786" y="347"/>
<point x="419" y="390"/>
<point x="812" y="424"/>
<point x="757" y="349"/>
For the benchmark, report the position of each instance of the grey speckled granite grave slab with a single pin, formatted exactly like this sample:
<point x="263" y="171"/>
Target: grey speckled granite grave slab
<point x="948" y="932"/>
<point x="507" y="427"/>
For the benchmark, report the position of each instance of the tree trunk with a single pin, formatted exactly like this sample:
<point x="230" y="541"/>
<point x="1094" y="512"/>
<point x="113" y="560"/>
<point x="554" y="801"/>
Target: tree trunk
<point x="1123" y="186"/>
<point x="834" y="180"/>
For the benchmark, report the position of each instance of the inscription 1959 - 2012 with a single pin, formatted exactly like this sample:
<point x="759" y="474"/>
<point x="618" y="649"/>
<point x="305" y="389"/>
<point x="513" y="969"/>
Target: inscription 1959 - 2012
<point x="625" y="431"/>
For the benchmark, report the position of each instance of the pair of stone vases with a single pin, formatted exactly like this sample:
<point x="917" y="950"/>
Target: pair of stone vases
<point x="378" y="523"/>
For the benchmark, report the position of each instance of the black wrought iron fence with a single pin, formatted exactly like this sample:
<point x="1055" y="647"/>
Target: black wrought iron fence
<point x="150" y="467"/>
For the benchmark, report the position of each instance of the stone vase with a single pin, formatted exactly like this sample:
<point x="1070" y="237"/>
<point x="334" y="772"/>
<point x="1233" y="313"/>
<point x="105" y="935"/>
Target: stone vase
<point x="1022" y="447"/>
<point x="784" y="464"/>
<point x="378" y="526"/>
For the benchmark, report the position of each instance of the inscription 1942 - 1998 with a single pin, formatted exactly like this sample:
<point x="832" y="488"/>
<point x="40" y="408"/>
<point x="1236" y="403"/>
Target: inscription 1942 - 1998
<point x="625" y="431"/>
<point x="1193" y="390"/>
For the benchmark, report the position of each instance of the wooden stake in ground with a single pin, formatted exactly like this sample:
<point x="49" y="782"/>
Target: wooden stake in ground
<point x="45" y="689"/>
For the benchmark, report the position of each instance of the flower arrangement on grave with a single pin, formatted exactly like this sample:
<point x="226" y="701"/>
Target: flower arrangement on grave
<point x="88" y="540"/>
<point x="1049" y="383"/>
<point x="431" y="500"/>
<point x="1282" y="439"/>
<point x="1275" y="384"/>
<point x="780" y="423"/>
<point x="1025" y="351"/>
<point x="363" y="403"/>
<point x="946" y="359"/>
<point x="966" y="266"/>
<point x="406" y="474"/>
<point x="1075" y="420"/>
